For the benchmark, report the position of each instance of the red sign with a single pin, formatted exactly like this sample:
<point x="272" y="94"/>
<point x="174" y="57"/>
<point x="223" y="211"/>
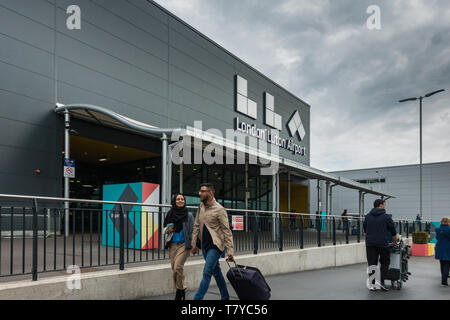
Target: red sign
<point x="237" y="222"/>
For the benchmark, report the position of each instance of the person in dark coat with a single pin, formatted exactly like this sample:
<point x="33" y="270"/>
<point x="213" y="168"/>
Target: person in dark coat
<point x="179" y="224"/>
<point x="377" y="226"/>
<point x="442" y="252"/>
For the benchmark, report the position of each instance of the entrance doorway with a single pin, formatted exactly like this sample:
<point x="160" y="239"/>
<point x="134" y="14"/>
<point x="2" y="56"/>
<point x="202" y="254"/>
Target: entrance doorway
<point x="100" y="163"/>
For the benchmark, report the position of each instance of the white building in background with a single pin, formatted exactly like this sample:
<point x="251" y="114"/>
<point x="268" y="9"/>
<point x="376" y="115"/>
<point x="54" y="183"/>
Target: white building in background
<point x="399" y="181"/>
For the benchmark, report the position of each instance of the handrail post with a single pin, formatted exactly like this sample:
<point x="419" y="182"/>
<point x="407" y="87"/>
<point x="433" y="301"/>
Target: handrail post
<point x="255" y="233"/>
<point x="122" y="234"/>
<point x="334" y="231"/>
<point x="318" y="228"/>
<point x="280" y="228"/>
<point x="35" y="241"/>
<point x="301" y="232"/>
<point x="407" y="229"/>
<point x="346" y="229"/>
<point x="359" y="231"/>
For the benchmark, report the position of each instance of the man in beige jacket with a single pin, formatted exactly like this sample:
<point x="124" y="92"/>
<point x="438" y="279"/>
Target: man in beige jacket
<point x="211" y="227"/>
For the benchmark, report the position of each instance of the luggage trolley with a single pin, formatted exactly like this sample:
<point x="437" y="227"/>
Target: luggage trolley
<point x="398" y="267"/>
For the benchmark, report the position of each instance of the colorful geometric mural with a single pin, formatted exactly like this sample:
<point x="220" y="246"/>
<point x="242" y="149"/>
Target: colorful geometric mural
<point x="140" y="223"/>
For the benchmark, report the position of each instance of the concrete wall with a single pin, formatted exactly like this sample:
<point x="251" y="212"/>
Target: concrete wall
<point x="139" y="282"/>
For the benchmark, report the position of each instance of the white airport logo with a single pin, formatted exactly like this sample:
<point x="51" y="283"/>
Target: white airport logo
<point x="243" y="104"/>
<point x="272" y="119"/>
<point x="249" y="107"/>
<point x="295" y="125"/>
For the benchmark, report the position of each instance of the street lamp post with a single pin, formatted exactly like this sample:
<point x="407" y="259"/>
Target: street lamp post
<point x="420" y="117"/>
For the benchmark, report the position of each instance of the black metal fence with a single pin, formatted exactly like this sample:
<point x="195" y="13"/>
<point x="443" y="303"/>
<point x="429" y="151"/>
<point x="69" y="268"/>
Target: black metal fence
<point x="34" y="238"/>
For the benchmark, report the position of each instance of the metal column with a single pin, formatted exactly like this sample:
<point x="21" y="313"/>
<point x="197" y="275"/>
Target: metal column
<point x="327" y="206"/>
<point x="318" y="196"/>
<point x="246" y="194"/>
<point x="164" y="172"/>
<point x="275" y="206"/>
<point x="181" y="177"/>
<point x="66" y="179"/>
<point x="289" y="191"/>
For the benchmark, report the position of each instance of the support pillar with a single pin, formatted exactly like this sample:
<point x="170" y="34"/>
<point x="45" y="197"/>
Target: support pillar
<point x="327" y="206"/>
<point x="66" y="180"/>
<point x="181" y="177"/>
<point x="289" y="191"/>
<point x="164" y="175"/>
<point x="246" y="194"/>
<point x="275" y="206"/>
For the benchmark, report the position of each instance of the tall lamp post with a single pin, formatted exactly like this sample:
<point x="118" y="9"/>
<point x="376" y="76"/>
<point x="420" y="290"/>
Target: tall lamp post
<point x="414" y="99"/>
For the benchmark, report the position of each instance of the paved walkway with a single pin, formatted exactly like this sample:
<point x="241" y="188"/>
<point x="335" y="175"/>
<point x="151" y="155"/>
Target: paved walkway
<point x="347" y="283"/>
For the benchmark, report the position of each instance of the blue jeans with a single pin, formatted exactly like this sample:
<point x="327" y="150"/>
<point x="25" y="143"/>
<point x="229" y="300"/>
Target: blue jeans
<point x="212" y="268"/>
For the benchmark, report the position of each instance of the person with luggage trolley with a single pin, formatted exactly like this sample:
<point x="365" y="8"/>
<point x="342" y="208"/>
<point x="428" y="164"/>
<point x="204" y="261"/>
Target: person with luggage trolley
<point x="376" y="225"/>
<point x="212" y="234"/>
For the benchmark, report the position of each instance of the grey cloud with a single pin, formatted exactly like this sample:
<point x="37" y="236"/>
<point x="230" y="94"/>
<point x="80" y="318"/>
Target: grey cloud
<point x="351" y="76"/>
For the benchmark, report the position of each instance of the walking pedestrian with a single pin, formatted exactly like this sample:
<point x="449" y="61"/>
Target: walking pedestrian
<point x="442" y="252"/>
<point x="376" y="225"/>
<point x="212" y="228"/>
<point x="179" y="224"/>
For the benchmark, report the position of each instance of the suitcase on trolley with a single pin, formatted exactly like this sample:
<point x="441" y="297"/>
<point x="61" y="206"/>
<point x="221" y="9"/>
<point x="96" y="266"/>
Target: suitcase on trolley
<point x="398" y="267"/>
<point x="248" y="282"/>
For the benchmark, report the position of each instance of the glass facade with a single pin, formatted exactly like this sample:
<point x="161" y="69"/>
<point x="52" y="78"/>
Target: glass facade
<point x="229" y="182"/>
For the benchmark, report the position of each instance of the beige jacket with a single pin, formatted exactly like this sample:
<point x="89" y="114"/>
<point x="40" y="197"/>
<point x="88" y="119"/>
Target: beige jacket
<point x="215" y="218"/>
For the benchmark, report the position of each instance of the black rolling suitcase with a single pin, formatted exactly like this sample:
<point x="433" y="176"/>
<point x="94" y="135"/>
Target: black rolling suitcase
<point x="248" y="282"/>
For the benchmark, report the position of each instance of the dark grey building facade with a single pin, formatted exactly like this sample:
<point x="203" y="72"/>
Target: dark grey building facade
<point x="131" y="57"/>
<point x="135" y="59"/>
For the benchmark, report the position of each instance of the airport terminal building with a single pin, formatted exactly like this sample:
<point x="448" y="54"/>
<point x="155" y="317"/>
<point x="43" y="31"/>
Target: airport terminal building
<point x="110" y="94"/>
<point x="404" y="183"/>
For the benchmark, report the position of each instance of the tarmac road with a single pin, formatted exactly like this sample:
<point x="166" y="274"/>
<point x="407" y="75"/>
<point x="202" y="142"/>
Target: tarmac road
<point x="345" y="283"/>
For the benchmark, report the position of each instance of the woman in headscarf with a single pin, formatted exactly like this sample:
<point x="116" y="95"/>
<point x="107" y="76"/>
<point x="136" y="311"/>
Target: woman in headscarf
<point x="179" y="223"/>
<point x="443" y="248"/>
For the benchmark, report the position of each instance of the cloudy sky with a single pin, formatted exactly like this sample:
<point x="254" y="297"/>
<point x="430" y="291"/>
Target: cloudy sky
<point x="323" y="52"/>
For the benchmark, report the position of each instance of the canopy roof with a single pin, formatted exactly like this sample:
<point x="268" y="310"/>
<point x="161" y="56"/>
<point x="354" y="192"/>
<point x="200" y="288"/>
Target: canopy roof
<point x="110" y="118"/>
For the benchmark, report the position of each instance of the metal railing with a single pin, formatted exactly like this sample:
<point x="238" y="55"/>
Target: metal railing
<point x="34" y="240"/>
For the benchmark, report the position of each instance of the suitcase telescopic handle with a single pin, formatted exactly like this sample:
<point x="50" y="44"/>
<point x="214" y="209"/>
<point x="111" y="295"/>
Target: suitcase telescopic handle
<point x="236" y="267"/>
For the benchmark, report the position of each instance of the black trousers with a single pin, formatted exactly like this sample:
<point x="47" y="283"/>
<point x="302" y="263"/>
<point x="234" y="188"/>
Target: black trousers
<point x="445" y="269"/>
<point x="379" y="253"/>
